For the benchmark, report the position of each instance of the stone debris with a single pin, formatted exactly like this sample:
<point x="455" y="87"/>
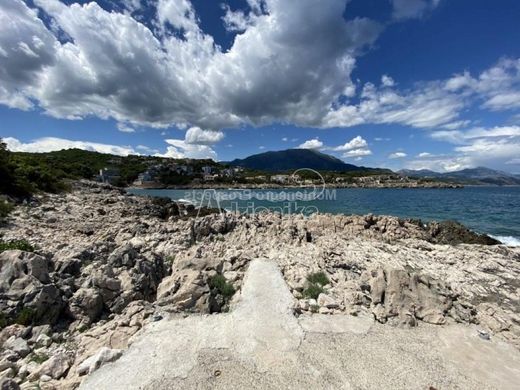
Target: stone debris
<point x="97" y="278"/>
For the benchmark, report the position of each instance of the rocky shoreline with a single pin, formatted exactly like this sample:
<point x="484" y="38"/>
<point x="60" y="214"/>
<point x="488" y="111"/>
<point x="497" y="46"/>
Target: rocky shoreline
<point x="107" y="263"/>
<point x="272" y="186"/>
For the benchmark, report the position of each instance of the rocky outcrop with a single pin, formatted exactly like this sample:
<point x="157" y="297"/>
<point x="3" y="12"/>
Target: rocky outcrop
<point x="107" y="263"/>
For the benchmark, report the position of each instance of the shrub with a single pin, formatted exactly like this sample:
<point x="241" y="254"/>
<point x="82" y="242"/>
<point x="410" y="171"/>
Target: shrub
<point x="21" y="245"/>
<point x="220" y="283"/>
<point x="316" y="281"/>
<point x="318" y="278"/>
<point x="313" y="291"/>
<point x="5" y="208"/>
<point x="25" y="316"/>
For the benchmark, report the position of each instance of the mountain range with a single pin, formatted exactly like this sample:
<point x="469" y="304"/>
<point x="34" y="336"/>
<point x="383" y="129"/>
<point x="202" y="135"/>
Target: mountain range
<point x="292" y="159"/>
<point x="479" y="175"/>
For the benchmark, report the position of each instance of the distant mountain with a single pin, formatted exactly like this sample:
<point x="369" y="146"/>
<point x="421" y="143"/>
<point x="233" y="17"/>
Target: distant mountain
<point x="292" y="159"/>
<point x="479" y="175"/>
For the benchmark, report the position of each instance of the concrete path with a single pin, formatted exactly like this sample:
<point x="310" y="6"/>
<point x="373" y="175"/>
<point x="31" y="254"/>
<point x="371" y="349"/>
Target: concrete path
<point x="261" y="344"/>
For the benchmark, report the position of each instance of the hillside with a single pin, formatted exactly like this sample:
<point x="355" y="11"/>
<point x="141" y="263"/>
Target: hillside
<point x="479" y="175"/>
<point x="292" y="159"/>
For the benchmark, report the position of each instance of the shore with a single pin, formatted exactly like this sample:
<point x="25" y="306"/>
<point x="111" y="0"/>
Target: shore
<point x="273" y="186"/>
<point x="112" y="271"/>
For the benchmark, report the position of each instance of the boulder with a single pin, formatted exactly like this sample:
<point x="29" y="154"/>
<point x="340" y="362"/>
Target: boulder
<point x="55" y="367"/>
<point x="17" y="345"/>
<point x="86" y="304"/>
<point x="25" y="284"/>
<point x="103" y="356"/>
<point x="8" y="384"/>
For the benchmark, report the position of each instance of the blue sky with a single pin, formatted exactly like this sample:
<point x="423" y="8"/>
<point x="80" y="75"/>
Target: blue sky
<point x="390" y="83"/>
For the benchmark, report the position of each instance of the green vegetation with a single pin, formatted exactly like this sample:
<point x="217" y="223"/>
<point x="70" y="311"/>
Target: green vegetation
<point x="316" y="282"/>
<point x="5" y="208"/>
<point x="3" y="320"/>
<point x="25" y="316"/>
<point x="21" y="245"/>
<point x="38" y="357"/>
<point x="224" y="288"/>
<point x="318" y="278"/>
<point x="313" y="291"/>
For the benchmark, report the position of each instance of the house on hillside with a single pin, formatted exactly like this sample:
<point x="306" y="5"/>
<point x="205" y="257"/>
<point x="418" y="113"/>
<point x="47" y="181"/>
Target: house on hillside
<point x="109" y="175"/>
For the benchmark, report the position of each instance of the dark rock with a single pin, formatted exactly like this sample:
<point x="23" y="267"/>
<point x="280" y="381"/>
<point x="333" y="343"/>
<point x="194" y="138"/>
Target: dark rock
<point x="453" y="233"/>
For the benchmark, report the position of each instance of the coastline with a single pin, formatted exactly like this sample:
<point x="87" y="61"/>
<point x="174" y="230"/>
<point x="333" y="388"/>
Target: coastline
<point x="111" y="265"/>
<point x="272" y="186"/>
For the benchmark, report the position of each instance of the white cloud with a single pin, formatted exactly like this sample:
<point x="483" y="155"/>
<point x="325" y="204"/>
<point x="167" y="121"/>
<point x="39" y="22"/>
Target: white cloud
<point x="197" y="136"/>
<point x="123" y="127"/>
<point x="458" y="137"/>
<point x="424" y="155"/>
<point x="173" y="74"/>
<point x="261" y="147"/>
<point x="494" y="147"/>
<point x="405" y="9"/>
<point x="355" y="143"/>
<point x="114" y="66"/>
<point x="180" y="149"/>
<point x="397" y="155"/>
<point x="147" y="149"/>
<point x="357" y="153"/>
<point x="285" y="139"/>
<point x="51" y="144"/>
<point x="311" y="144"/>
<point x="387" y="81"/>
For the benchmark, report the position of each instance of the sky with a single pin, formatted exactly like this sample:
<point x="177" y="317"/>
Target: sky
<point x="415" y="84"/>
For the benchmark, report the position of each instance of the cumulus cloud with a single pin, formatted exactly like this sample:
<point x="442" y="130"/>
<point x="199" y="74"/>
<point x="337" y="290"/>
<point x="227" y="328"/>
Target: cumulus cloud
<point x="179" y="148"/>
<point x="424" y="155"/>
<point x="357" y="148"/>
<point x="355" y="143"/>
<point x="51" y="144"/>
<point x="311" y="144"/>
<point x="357" y="153"/>
<point x="114" y="66"/>
<point x="197" y="136"/>
<point x="397" y="155"/>
<point x="169" y="72"/>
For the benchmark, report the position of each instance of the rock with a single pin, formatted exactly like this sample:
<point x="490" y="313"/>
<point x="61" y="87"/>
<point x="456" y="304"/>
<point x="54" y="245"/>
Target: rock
<point x="16" y="264"/>
<point x="43" y="341"/>
<point x="55" y="367"/>
<point x="8" y="384"/>
<point x="8" y="373"/>
<point x="17" y="345"/>
<point x="37" y="331"/>
<point x="86" y="304"/>
<point x="377" y="286"/>
<point x="327" y="301"/>
<point x="453" y="233"/>
<point x="104" y="355"/>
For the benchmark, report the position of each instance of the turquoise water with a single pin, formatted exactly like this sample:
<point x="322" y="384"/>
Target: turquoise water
<point x="491" y="210"/>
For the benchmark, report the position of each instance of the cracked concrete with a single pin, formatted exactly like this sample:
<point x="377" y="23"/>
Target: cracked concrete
<point x="261" y="344"/>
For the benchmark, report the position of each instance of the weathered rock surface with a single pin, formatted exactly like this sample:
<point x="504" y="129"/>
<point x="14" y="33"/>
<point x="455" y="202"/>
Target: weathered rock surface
<point x="106" y="264"/>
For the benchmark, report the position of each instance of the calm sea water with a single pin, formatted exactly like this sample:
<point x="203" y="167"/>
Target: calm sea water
<point x="491" y="210"/>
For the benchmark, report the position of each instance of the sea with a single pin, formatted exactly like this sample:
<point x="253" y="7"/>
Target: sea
<point x="491" y="210"/>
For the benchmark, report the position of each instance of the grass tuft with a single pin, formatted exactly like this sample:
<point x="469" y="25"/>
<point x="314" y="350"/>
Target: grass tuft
<point x="220" y="283"/>
<point x="318" y="278"/>
<point x="12" y="245"/>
